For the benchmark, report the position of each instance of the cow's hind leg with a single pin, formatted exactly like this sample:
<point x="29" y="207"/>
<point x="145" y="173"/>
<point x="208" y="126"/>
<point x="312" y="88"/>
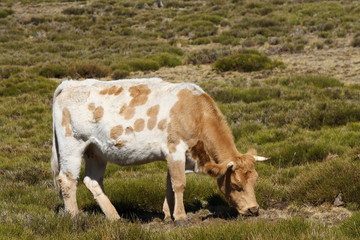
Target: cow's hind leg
<point x="67" y="184"/>
<point x="95" y="167"/>
<point x="69" y="165"/>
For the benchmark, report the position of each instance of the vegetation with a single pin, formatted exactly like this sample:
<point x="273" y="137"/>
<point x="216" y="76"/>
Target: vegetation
<point x="248" y="61"/>
<point x="308" y="124"/>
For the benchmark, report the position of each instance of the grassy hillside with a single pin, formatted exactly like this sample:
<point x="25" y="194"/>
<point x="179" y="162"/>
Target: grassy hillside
<point x="308" y="124"/>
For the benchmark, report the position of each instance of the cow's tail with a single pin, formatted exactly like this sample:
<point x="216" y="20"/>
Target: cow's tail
<point x="55" y="166"/>
<point x="55" y="156"/>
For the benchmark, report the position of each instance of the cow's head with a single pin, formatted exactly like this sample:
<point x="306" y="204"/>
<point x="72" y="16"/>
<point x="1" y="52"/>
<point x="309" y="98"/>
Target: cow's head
<point x="236" y="179"/>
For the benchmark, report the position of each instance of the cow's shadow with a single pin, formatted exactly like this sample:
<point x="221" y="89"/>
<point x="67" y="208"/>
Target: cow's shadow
<point x="216" y="207"/>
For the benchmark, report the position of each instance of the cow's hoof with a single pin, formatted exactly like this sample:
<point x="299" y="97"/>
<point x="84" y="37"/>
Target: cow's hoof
<point x="168" y="220"/>
<point x="181" y="223"/>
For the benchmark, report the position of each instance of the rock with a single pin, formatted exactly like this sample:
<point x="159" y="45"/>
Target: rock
<point x="338" y="202"/>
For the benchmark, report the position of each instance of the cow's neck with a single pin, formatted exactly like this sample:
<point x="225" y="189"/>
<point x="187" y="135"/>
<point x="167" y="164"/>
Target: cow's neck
<point x="218" y="139"/>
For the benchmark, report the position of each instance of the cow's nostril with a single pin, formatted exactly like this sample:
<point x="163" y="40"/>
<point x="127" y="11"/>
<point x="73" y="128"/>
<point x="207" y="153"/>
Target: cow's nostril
<point x="254" y="211"/>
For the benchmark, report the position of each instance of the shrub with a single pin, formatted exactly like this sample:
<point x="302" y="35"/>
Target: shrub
<point x="53" y="71"/>
<point x="122" y="11"/>
<point x="88" y="70"/>
<point x="225" y="39"/>
<point x="319" y="81"/>
<point x="143" y="65"/>
<point x="166" y="59"/>
<point x="196" y="29"/>
<point x="248" y="95"/>
<point x="327" y="113"/>
<point x="247" y="61"/>
<point x="323" y="182"/>
<point x="200" y="41"/>
<point x="74" y="11"/>
<point x="206" y="55"/>
<point x="7" y="71"/>
<point x="5" y="12"/>
<point x="16" y="85"/>
<point x="356" y="42"/>
<point x="120" y="74"/>
<point x="300" y="151"/>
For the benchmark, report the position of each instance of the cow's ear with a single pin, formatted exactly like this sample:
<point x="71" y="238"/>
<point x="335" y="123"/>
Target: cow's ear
<point x="218" y="170"/>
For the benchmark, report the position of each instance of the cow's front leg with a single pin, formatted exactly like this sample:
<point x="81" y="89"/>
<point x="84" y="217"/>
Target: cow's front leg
<point x="178" y="182"/>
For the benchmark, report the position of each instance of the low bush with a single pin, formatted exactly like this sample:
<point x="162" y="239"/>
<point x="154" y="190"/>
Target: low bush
<point x="314" y="80"/>
<point x="7" y="71"/>
<point x="143" y="64"/>
<point x="327" y="113"/>
<point x="323" y="182"/>
<point x="206" y="55"/>
<point x="225" y="39"/>
<point x="248" y="61"/>
<point x="248" y="95"/>
<point x="88" y="70"/>
<point x="5" y="12"/>
<point x="201" y="41"/>
<point x="356" y="42"/>
<point x="53" y="71"/>
<point x="28" y="83"/>
<point x="166" y="59"/>
<point x="120" y="74"/>
<point x="75" y="11"/>
<point x="196" y="29"/>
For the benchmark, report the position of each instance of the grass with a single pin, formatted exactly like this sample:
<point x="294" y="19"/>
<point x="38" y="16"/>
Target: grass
<point x="308" y="124"/>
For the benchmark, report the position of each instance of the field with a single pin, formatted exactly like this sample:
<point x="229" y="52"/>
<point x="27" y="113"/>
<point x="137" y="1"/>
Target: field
<point x="285" y="74"/>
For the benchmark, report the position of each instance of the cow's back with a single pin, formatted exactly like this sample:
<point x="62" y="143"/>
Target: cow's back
<point x="126" y="120"/>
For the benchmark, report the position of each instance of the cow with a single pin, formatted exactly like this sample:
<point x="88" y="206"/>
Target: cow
<point x="138" y="121"/>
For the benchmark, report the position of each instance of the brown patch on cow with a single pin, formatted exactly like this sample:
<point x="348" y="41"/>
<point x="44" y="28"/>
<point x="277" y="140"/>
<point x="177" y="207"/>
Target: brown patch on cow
<point x="91" y="106"/>
<point x="118" y="91"/>
<point x="172" y="140"/>
<point x="104" y="91"/>
<point x="129" y="130"/>
<point x="162" y="124"/>
<point x="98" y="113"/>
<point x="127" y="112"/>
<point x="152" y="113"/>
<point x="195" y="117"/>
<point x="139" y="125"/>
<point x="113" y="90"/>
<point x="139" y="94"/>
<point x="120" y="144"/>
<point x="116" y="132"/>
<point x="66" y="121"/>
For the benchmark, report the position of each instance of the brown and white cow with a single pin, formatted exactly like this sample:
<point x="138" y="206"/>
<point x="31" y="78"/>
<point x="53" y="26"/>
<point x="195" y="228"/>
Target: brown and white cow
<point x="131" y="122"/>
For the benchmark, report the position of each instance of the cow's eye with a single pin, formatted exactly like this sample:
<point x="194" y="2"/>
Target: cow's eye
<point x="237" y="188"/>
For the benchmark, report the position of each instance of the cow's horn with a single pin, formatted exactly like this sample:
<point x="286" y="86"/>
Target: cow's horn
<point x="260" y="159"/>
